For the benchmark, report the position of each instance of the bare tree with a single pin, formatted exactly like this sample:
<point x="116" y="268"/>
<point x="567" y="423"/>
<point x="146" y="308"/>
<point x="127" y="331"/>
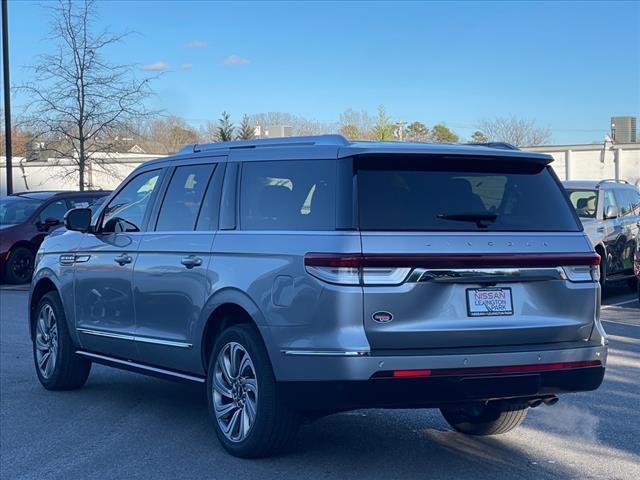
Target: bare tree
<point x="78" y="100"/>
<point x="516" y="131"/>
<point x="299" y="125"/>
<point x="356" y="125"/>
<point x="167" y="135"/>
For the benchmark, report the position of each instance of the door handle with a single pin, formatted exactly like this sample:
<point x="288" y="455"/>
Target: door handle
<point x="123" y="259"/>
<point x="191" y="261"/>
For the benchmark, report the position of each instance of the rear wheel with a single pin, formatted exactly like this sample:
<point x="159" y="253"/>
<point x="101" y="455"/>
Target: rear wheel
<point x="19" y="266"/>
<point x="249" y="416"/>
<point x="490" y="419"/>
<point x="57" y="365"/>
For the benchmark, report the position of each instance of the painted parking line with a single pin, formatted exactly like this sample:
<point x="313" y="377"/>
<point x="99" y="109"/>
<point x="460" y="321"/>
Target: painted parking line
<point x="617" y="304"/>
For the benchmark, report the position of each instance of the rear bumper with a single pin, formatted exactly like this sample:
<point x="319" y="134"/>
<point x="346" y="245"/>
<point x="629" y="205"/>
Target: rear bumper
<point x="314" y="366"/>
<point x="436" y="392"/>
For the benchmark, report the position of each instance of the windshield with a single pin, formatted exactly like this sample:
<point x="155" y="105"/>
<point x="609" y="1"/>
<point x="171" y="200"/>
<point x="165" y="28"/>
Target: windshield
<point x="460" y="195"/>
<point x="14" y="210"/>
<point x="585" y="202"/>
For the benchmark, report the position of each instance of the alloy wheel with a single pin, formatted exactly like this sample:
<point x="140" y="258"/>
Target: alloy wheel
<point x="46" y="342"/>
<point x="235" y="392"/>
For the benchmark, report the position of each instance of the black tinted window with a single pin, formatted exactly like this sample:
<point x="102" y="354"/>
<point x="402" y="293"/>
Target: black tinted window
<point x="182" y="201"/>
<point x="125" y="212"/>
<point x="298" y="195"/>
<point x="470" y="195"/>
<point x="53" y="211"/>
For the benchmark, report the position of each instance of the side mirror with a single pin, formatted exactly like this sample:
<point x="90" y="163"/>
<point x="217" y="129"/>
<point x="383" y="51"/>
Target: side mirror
<point x="47" y="224"/>
<point x="78" y="219"/>
<point x="611" y="212"/>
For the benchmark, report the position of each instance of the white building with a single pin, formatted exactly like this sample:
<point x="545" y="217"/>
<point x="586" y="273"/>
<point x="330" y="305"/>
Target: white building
<point x="595" y="161"/>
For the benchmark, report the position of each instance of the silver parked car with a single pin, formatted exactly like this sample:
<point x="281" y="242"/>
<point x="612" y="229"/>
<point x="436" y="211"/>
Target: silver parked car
<point x="610" y="213"/>
<point x="300" y="277"/>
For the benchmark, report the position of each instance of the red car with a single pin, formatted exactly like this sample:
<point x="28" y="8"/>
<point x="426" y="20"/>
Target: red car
<point x="25" y="219"/>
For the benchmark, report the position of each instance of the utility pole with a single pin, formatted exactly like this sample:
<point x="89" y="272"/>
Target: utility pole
<point x="7" y="92"/>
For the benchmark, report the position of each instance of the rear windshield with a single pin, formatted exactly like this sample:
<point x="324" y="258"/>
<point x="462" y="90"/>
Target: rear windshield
<point x="444" y="194"/>
<point x="585" y="202"/>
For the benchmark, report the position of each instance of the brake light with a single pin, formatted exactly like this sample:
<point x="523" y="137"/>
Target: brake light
<point x="385" y="269"/>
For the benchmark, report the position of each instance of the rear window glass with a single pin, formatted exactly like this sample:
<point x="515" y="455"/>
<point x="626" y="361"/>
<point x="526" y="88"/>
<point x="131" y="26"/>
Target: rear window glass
<point x="449" y="194"/>
<point x="288" y="195"/>
<point x="585" y="202"/>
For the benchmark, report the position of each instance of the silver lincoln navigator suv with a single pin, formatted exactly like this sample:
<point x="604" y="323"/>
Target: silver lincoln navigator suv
<point x="301" y="277"/>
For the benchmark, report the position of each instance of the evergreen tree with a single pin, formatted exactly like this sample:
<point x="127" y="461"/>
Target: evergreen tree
<point x="224" y="132"/>
<point x="441" y="134"/>
<point x="246" y="130"/>
<point x="383" y="128"/>
<point x="479" y="137"/>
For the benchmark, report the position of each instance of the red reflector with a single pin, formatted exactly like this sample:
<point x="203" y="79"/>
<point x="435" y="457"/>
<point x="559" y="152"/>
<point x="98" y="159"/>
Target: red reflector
<point x="507" y="369"/>
<point x="411" y="373"/>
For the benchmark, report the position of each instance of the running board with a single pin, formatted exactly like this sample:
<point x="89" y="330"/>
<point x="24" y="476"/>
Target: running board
<point x="139" y="367"/>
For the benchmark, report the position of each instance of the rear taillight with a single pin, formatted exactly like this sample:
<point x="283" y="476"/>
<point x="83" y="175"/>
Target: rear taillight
<point x="352" y="270"/>
<point x="386" y="269"/>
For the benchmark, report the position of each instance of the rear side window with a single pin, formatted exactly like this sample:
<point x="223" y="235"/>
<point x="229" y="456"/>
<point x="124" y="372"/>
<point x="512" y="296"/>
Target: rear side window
<point x="448" y="194"/>
<point x="634" y="199"/>
<point x="288" y="195"/>
<point x="585" y="202"/>
<point x="183" y="199"/>
<point x="623" y="201"/>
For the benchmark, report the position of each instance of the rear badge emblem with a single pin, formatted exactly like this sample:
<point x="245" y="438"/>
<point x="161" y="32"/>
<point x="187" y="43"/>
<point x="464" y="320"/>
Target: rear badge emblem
<point x="382" y="317"/>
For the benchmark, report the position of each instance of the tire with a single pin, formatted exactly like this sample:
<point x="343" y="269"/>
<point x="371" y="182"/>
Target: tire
<point x="57" y="365"/>
<point x="632" y="283"/>
<point x="19" y="267"/>
<point x="491" y="419"/>
<point x="250" y="393"/>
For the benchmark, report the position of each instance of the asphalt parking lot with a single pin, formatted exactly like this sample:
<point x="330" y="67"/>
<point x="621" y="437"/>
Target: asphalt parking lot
<point x="123" y="425"/>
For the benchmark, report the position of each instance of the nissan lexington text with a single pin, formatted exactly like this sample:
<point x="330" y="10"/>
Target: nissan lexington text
<point x="301" y="277"/>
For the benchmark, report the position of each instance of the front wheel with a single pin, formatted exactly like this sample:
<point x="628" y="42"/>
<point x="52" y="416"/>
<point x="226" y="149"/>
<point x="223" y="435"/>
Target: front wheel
<point x="57" y="365"/>
<point x="249" y="416"/>
<point x="485" y="419"/>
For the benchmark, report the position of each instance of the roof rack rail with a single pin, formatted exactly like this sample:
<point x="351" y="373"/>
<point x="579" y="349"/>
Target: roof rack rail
<point x="501" y="145"/>
<point x="335" y="140"/>
<point x="612" y="180"/>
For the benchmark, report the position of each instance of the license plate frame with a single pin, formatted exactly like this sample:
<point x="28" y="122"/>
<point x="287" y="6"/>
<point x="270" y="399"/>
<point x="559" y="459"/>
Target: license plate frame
<point x="470" y="294"/>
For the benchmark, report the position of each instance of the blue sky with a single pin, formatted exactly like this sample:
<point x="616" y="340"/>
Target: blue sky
<point x="569" y="66"/>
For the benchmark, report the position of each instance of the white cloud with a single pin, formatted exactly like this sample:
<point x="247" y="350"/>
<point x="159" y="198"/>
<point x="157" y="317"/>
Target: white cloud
<point x="197" y="44"/>
<point x="186" y="66"/>
<point x="155" y="67"/>
<point x="235" y="60"/>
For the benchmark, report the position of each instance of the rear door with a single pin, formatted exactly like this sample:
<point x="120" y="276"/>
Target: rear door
<point x="170" y="276"/>
<point x="461" y="253"/>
